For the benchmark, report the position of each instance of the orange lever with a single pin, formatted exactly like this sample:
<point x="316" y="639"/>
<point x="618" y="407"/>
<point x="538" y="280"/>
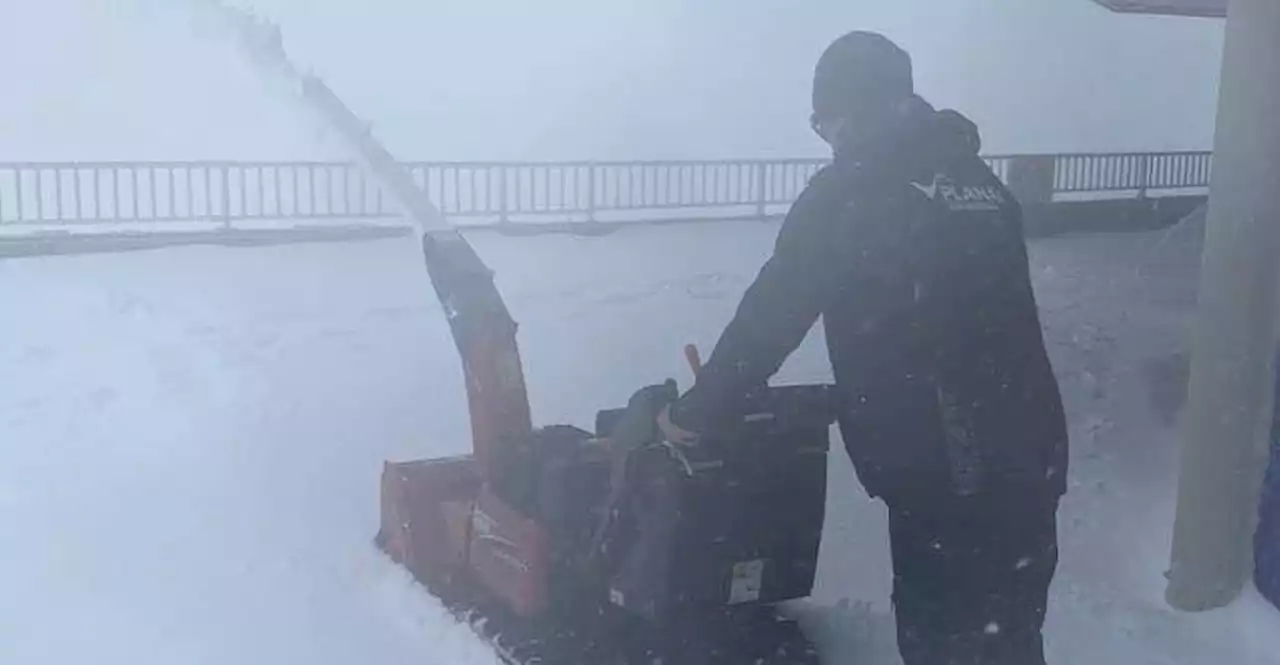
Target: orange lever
<point x="692" y="357"/>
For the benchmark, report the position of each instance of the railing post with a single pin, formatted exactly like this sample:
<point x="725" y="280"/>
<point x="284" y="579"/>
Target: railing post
<point x="761" y="199"/>
<point x="39" y="194"/>
<point x="17" y="193"/>
<point x="225" y="170"/>
<point x="591" y="191"/>
<point x="1144" y="170"/>
<point x="503" y="211"/>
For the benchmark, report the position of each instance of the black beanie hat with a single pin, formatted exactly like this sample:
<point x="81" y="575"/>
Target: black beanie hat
<point x="858" y="70"/>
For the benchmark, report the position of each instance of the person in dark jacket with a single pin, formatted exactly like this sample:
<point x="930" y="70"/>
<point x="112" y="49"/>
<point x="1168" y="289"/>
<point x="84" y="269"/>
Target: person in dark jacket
<point x="912" y="252"/>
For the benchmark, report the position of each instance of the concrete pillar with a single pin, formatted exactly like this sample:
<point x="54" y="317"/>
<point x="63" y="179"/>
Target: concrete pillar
<point x="1031" y="178"/>
<point x="1224" y="433"/>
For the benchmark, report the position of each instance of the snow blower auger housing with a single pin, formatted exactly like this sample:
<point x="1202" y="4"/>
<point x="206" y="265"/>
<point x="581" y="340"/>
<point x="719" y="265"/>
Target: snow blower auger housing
<point x="610" y="546"/>
<point x="586" y="547"/>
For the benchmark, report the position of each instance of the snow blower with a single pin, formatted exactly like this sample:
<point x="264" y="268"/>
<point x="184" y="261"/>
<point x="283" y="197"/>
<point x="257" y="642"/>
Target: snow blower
<point x="561" y="545"/>
<point x="566" y="546"/>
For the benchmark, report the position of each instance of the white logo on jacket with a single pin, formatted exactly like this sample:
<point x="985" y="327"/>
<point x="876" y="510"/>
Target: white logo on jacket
<point x="966" y="198"/>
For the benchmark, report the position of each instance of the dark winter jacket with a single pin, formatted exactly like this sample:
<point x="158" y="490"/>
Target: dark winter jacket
<point x="912" y="252"/>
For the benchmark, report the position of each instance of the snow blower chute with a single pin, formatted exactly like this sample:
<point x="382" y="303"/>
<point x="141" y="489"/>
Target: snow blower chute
<point x="608" y="546"/>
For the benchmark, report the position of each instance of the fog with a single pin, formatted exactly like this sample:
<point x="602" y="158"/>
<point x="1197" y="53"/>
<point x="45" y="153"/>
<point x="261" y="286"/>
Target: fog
<point x="569" y="79"/>
<point x="220" y="415"/>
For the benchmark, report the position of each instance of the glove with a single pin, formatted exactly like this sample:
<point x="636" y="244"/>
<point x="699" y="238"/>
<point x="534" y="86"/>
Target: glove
<point x="672" y="432"/>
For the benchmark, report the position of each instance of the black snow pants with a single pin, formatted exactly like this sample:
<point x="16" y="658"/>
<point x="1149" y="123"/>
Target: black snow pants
<point x="971" y="578"/>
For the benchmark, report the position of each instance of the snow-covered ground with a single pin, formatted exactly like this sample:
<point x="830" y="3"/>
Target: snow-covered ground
<point x="190" y="441"/>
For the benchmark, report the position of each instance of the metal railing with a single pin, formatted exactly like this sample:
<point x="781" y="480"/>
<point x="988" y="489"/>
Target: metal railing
<point x="483" y="192"/>
<point x="1131" y="171"/>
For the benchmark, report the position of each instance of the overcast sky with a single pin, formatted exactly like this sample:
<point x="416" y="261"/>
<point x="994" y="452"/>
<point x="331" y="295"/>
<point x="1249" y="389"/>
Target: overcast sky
<point x="598" y="79"/>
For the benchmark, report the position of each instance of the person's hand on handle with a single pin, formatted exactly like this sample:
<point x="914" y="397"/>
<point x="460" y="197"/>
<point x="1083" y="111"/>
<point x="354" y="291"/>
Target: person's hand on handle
<point x="672" y="432"/>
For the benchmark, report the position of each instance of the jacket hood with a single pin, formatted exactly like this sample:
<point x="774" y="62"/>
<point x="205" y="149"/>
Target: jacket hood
<point x="956" y="132"/>
<point x="919" y="129"/>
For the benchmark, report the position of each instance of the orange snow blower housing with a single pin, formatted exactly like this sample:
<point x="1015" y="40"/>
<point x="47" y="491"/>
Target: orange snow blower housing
<point x="439" y="516"/>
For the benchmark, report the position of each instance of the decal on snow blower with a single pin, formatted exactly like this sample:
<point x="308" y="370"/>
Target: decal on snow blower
<point x="502" y="548"/>
<point x="747" y="580"/>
